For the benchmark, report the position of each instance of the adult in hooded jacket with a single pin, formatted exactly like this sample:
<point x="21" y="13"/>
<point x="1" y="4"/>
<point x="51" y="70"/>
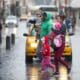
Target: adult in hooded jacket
<point x="45" y="29"/>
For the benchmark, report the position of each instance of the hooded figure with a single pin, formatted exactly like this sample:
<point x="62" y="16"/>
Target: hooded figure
<point x="55" y="38"/>
<point x="46" y="54"/>
<point x="45" y="47"/>
<point x="57" y="26"/>
<point x="45" y="29"/>
<point x="46" y="24"/>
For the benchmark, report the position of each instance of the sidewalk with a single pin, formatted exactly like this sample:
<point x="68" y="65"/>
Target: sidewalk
<point x="77" y="30"/>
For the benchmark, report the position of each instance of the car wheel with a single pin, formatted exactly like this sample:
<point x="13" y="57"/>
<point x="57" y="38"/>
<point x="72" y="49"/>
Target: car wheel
<point x="28" y="59"/>
<point x="69" y="58"/>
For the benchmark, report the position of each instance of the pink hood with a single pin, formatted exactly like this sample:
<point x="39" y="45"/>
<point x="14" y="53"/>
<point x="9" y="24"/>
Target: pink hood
<point x="57" y="26"/>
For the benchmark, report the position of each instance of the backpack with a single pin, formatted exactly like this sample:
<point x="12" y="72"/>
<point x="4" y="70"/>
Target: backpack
<point x="57" y="41"/>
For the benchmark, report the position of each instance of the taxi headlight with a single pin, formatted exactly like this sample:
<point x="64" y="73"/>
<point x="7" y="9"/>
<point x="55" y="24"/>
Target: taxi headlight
<point x="67" y="44"/>
<point x="34" y="45"/>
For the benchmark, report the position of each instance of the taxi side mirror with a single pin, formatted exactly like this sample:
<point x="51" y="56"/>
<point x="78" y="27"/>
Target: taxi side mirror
<point x="25" y="34"/>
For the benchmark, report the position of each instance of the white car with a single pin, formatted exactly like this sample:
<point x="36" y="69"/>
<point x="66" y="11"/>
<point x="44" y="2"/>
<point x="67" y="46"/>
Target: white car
<point x="11" y="21"/>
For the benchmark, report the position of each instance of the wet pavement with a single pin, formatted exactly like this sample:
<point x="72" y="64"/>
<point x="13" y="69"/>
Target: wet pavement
<point x="13" y="67"/>
<point x="34" y="74"/>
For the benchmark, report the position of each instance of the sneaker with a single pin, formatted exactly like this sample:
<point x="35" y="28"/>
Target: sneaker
<point x="35" y="58"/>
<point x="56" y="73"/>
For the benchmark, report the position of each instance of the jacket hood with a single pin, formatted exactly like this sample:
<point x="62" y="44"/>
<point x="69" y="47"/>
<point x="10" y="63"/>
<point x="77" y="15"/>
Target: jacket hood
<point x="48" y="16"/>
<point x="45" y="26"/>
<point x="57" y="26"/>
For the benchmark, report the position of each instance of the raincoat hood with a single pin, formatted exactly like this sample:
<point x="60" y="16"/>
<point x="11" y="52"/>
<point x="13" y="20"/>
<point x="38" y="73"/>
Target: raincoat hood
<point x="57" y="26"/>
<point x="46" y="25"/>
<point x="46" y="47"/>
<point x="49" y="16"/>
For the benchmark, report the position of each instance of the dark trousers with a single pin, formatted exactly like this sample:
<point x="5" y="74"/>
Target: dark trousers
<point x="57" y="58"/>
<point x="73" y="28"/>
<point x="38" y="52"/>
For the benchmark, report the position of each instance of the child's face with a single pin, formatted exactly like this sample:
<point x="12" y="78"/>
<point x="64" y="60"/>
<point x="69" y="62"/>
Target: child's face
<point x="58" y="18"/>
<point x="43" y="40"/>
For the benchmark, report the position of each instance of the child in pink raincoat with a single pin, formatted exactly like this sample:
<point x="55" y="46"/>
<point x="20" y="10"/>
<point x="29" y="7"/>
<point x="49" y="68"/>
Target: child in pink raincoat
<point x="46" y="54"/>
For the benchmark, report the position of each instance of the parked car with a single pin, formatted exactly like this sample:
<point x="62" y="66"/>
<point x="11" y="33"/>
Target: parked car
<point x="11" y="21"/>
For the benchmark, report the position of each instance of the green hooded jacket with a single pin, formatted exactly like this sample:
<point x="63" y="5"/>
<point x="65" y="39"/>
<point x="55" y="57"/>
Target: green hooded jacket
<point x="46" y="25"/>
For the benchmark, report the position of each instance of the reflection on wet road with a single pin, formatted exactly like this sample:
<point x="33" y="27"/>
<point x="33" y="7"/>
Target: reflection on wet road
<point x="34" y="74"/>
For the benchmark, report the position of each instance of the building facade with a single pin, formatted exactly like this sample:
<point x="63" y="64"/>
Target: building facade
<point x="75" y="4"/>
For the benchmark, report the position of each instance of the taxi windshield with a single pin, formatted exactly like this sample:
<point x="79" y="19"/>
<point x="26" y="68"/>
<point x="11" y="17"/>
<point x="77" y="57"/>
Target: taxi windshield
<point x="33" y="32"/>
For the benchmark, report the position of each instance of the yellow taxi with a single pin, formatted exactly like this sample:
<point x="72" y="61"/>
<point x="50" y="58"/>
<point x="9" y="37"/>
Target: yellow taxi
<point x="68" y="50"/>
<point x="32" y="43"/>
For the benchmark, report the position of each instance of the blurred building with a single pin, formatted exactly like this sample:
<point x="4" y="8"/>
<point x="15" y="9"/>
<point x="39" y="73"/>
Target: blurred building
<point x="24" y="6"/>
<point x="2" y="9"/>
<point x="5" y="7"/>
<point x="75" y="4"/>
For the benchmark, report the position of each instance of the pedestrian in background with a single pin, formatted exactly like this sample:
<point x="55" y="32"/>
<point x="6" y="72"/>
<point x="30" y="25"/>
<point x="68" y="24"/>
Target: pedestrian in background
<point x="73" y="20"/>
<point x="68" y="22"/>
<point x="0" y="32"/>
